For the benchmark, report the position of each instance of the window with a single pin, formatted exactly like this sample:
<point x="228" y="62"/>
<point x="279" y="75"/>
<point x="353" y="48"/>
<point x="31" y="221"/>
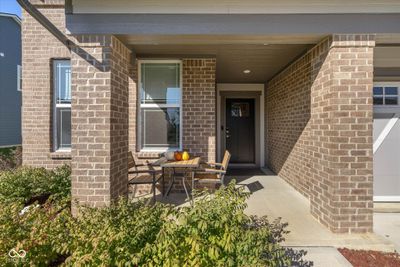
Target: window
<point x="160" y="105"/>
<point x="19" y="78"/>
<point x="386" y="95"/>
<point x="240" y="110"/>
<point x="62" y="105"/>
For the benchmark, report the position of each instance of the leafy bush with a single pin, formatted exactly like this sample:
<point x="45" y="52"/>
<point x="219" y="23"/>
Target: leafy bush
<point x="24" y="224"/>
<point x="217" y="232"/>
<point x="39" y="231"/>
<point x="213" y="232"/>
<point x="10" y="158"/>
<point x="25" y="185"/>
<point x="115" y="236"/>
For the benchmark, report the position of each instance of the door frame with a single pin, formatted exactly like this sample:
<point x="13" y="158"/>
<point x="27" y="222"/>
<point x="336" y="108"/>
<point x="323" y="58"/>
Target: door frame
<point x="229" y="90"/>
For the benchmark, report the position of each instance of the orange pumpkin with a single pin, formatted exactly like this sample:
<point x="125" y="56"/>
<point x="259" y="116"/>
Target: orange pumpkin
<point x="178" y="155"/>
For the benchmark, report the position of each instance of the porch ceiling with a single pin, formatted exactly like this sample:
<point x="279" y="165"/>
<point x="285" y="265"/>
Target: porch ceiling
<point x="263" y="60"/>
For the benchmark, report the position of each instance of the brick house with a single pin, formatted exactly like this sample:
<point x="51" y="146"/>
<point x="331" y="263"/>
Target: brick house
<point x="306" y="89"/>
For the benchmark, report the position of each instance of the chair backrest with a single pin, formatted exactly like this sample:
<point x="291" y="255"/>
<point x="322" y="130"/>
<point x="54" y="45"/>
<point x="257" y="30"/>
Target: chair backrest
<point x="225" y="160"/>
<point x="131" y="161"/>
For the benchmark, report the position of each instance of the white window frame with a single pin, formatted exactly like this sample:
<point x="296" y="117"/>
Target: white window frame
<point x="140" y="105"/>
<point x="19" y="78"/>
<point x="384" y="107"/>
<point x="57" y="105"/>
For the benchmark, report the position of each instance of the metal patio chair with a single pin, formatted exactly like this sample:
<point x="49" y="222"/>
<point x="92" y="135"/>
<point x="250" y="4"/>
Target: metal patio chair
<point x="211" y="172"/>
<point x="143" y="174"/>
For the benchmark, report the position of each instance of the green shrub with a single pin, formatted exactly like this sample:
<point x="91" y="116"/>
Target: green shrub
<point x="24" y="224"/>
<point x="215" y="231"/>
<point x="40" y="231"/>
<point x="117" y="235"/>
<point x="10" y="158"/>
<point x="25" y="184"/>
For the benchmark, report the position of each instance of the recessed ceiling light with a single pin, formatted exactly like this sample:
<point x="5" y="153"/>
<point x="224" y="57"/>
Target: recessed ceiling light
<point x="246" y="71"/>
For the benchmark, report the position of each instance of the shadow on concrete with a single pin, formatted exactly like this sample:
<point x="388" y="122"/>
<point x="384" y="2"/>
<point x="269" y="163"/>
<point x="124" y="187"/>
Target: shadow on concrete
<point x="254" y="186"/>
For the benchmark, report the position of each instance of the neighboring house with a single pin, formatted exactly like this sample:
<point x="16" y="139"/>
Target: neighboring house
<point x="10" y="80"/>
<point x="305" y="88"/>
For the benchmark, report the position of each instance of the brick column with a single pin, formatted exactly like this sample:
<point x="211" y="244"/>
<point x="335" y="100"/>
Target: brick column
<point x="319" y="130"/>
<point x="199" y="107"/>
<point x="99" y="119"/>
<point x="342" y="118"/>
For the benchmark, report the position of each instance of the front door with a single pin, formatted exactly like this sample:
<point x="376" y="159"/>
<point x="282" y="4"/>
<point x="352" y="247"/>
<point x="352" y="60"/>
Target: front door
<point x="240" y="130"/>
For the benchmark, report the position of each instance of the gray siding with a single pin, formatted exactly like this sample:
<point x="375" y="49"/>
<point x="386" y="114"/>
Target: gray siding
<point x="10" y="97"/>
<point x="233" y="24"/>
<point x="235" y="6"/>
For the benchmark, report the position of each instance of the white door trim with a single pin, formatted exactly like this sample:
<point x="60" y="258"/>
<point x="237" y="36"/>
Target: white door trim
<point x="241" y="88"/>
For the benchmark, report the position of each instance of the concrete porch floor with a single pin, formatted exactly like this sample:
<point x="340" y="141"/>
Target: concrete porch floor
<point x="278" y="199"/>
<point x="272" y="196"/>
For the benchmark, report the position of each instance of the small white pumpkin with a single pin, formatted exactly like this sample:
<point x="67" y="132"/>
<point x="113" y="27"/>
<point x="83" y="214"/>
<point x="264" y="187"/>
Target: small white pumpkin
<point x="170" y="155"/>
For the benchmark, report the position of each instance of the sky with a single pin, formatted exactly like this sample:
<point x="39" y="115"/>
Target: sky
<point x="10" y="6"/>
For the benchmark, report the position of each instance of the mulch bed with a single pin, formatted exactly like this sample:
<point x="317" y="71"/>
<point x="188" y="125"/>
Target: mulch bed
<point x="370" y="258"/>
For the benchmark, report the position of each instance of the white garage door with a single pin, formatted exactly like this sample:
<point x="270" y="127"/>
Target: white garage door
<point x="386" y="142"/>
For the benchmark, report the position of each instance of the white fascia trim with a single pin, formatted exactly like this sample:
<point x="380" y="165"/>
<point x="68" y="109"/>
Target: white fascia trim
<point x="386" y="198"/>
<point x="9" y="146"/>
<point x="13" y="16"/>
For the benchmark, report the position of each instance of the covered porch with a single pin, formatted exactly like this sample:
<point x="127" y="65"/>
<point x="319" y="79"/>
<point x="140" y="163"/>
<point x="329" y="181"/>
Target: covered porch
<point x="301" y="106"/>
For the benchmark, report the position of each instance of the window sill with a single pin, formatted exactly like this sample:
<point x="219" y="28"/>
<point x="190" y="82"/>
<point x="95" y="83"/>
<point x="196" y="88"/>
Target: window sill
<point x="60" y="155"/>
<point x="149" y="154"/>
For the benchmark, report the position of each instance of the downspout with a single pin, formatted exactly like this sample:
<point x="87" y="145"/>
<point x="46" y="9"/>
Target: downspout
<point x="36" y="14"/>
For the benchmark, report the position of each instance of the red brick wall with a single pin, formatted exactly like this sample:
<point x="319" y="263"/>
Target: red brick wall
<point x="319" y="130"/>
<point x="39" y="47"/>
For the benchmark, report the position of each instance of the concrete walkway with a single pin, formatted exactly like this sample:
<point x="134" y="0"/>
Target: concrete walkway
<point x="273" y="197"/>
<point x="388" y="226"/>
<point x="324" y="257"/>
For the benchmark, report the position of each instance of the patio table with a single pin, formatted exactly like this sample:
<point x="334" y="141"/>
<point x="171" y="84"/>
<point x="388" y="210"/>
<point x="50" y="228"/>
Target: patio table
<point x="188" y="165"/>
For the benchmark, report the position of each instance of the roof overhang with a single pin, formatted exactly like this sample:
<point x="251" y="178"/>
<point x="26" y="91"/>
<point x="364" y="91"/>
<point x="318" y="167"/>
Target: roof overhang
<point x="232" y="24"/>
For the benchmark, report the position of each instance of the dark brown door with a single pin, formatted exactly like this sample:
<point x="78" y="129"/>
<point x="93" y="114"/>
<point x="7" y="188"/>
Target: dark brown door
<point x="240" y="130"/>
